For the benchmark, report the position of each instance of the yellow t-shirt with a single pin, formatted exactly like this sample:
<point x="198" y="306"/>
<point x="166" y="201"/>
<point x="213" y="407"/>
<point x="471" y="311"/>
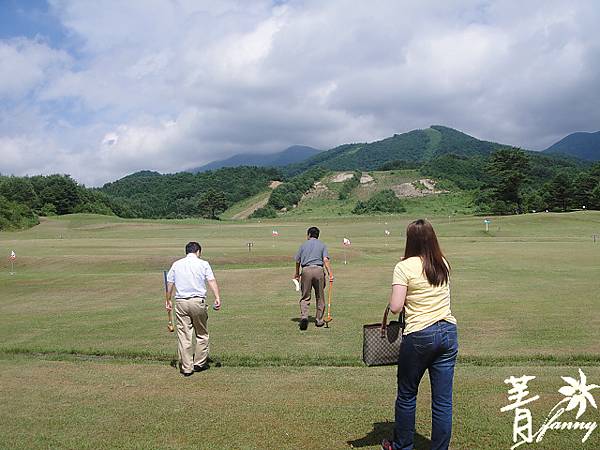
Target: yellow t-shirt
<point x="425" y="304"/>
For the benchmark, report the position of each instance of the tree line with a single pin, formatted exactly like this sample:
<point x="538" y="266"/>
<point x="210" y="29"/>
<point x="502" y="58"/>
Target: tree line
<point x="512" y="181"/>
<point x="141" y="195"/>
<point x="180" y="195"/>
<point x="23" y="199"/>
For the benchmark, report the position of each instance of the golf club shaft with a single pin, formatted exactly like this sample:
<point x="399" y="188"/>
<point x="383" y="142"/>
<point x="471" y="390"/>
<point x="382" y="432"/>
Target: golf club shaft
<point x="169" y="312"/>
<point x="329" y="300"/>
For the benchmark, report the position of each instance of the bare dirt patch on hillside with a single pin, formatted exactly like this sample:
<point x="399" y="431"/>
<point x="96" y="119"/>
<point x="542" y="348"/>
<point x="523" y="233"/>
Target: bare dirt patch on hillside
<point x="319" y="190"/>
<point x="365" y="178"/>
<point x="341" y="177"/>
<point x="420" y="188"/>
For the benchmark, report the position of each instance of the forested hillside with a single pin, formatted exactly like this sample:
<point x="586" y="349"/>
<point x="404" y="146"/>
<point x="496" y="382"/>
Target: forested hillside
<point x="501" y="179"/>
<point x="140" y="195"/>
<point x="512" y="181"/>
<point x="416" y="146"/>
<point x="23" y="199"/>
<point x="580" y="145"/>
<point x="183" y="194"/>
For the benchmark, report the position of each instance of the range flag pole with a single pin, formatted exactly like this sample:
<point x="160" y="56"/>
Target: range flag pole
<point x="274" y="233"/>
<point x="12" y="258"/>
<point x="346" y="243"/>
<point x="387" y="235"/>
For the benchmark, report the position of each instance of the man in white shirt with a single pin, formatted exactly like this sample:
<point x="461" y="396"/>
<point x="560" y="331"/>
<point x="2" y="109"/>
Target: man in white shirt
<point x="187" y="279"/>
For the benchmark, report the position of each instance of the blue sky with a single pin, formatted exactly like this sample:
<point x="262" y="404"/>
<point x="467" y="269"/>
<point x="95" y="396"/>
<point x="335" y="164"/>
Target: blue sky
<point x="31" y="19"/>
<point x="103" y="89"/>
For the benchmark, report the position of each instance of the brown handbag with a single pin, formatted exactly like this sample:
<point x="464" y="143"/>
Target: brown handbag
<point x="381" y="341"/>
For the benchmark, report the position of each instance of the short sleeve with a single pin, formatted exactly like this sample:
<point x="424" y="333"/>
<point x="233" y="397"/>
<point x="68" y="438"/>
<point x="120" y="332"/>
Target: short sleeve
<point x="208" y="273"/>
<point x="171" y="275"/>
<point x="298" y="254"/>
<point x="325" y="252"/>
<point x="400" y="276"/>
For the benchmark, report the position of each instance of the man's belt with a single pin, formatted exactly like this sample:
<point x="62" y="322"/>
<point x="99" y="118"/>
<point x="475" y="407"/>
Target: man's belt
<point x="313" y="265"/>
<point x="189" y="298"/>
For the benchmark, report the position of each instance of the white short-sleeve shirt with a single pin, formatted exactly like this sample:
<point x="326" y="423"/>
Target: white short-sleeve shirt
<point x="190" y="275"/>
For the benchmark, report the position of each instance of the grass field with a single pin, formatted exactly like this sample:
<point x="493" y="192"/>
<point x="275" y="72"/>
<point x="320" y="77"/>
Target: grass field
<point x="85" y="356"/>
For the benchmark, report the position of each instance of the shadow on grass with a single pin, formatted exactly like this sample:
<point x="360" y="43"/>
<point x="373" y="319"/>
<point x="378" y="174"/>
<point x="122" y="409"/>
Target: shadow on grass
<point x="216" y="362"/>
<point x="385" y="430"/>
<point x="311" y="319"/>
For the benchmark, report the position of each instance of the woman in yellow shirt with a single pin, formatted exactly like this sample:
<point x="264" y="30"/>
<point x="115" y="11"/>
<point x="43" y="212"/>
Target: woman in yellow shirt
<point x="421" y="286"/>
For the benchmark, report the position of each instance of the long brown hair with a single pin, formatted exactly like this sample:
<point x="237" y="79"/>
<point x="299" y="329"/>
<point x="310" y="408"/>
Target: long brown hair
<point x="421" y="241"/>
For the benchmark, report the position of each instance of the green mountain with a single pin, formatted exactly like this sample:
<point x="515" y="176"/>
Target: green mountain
<point x="291" y="155"/>
<point x="580" y="145"/>
<point x="414" y="146"/>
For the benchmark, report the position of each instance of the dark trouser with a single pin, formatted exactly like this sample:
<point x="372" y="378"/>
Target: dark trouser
<point x="434" y="349"/>
<point x="313" y="277"/>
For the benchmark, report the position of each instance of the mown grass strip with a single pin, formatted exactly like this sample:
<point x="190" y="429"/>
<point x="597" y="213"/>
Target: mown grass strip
<point x="233" y="360"/>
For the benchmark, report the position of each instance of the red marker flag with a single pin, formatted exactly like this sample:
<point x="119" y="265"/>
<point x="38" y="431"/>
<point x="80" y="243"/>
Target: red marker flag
<point x="12" y="256"/>
<point x="275" y="233"/>
<point x="347" y="242"/>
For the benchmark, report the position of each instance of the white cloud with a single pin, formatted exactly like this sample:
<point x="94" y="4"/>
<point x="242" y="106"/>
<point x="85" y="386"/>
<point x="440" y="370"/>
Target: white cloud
<point x="27" y="64"/>
<point x="170" y="85"/>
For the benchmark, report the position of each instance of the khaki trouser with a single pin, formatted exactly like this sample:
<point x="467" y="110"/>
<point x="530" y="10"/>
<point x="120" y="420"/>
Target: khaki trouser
<point x="313" y="277"/>
<point x="192" y="315"/>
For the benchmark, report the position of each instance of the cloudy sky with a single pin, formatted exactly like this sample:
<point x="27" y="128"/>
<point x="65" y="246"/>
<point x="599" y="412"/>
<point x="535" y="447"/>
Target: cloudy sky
<point x="100" y="89"/>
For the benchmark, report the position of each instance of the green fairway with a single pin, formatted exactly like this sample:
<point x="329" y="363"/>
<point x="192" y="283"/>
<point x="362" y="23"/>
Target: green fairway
<point x="84" y="351"/>
<point x="100" y="405"/>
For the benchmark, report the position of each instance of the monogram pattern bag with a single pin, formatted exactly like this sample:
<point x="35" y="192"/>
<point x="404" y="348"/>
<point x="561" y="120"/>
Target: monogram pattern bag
<point x="381" y="341"/>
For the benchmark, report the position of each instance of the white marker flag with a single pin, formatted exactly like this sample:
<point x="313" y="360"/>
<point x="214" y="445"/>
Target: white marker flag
<point x="347" y="242"/>
<point x="275" y="233"/>
<point x="13" y="256"/>
<point x="387" y="232"/>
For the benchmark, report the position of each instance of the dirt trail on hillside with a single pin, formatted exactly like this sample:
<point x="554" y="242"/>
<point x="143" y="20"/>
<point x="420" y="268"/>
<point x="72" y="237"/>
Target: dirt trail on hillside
<point x="250" y="209"/>
<point x="247" y="212"/>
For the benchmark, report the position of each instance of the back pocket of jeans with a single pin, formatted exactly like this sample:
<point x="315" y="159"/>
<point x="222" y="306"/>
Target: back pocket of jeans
<point x="423" y="344"/>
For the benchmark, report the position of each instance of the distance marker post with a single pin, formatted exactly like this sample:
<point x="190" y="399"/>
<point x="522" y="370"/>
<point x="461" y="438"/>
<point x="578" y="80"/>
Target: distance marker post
<point x="487" y="225"/>
<point x="12" y="257"/>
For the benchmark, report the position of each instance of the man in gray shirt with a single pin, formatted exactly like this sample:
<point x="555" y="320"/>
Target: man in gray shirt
<point x="312" y="256"/>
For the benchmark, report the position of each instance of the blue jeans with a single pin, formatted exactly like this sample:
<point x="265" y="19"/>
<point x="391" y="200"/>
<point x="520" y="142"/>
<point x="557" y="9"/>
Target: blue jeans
<point x="433" y="348"/>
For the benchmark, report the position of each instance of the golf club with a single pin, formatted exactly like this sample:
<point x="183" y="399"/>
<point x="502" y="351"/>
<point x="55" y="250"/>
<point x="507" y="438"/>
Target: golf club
<point x="169" y="312"/>
<point x="329" y="318"/>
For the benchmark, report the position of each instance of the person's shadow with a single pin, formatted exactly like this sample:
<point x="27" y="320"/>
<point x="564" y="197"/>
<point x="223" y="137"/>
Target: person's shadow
<point x="311" y="319"/>
<point x="385" y="430"/>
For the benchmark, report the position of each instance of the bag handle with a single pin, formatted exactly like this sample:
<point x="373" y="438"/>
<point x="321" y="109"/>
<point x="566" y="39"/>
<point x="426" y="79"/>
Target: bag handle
<point x="384" y="321"/>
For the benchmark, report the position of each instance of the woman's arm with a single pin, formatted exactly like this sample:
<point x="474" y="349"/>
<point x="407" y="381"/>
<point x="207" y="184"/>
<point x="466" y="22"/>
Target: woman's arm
<point x="397" y="298"/>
